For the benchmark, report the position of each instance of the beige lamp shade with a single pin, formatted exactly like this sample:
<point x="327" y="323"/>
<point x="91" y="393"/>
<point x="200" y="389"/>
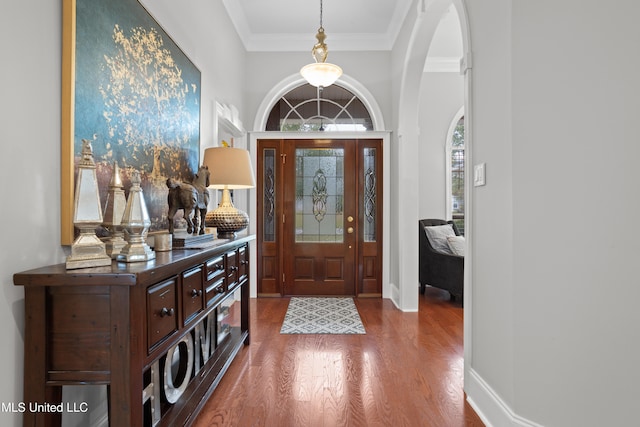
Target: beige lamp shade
<point x="229" y="167"/>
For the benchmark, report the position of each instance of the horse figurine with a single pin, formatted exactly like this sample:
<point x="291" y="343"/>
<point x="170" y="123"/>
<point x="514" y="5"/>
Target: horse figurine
<point x="192" y="198"/>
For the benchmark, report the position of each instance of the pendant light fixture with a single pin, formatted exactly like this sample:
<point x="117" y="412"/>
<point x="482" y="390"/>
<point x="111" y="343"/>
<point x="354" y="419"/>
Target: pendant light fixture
<point x="320" y="73"/>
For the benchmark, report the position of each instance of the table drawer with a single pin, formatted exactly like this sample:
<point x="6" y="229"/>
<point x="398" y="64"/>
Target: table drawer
<point x="192" y="285"/>
<point x="214" y="269"/>
<point x="215" y="291"/>
<point x="243" y="263"/>
<point x="232" y="269"/>
<point x="162" y="316"/>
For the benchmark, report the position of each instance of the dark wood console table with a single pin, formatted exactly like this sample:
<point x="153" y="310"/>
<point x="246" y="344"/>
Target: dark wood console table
<point x="160" y="334"/>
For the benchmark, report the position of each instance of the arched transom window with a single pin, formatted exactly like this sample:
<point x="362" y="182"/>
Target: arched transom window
<point x="308" y="109"/>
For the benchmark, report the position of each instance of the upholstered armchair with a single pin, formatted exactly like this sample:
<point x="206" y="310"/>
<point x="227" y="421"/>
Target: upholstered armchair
<point x="441" y="256"/>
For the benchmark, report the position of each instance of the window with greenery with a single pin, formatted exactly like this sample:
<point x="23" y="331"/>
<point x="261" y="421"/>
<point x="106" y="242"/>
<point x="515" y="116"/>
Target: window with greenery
<point x="456" y="159"/>
<point x="308" y="109"/>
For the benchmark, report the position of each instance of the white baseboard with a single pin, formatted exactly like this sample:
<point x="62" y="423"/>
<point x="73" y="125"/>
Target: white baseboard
<point x="492" y="410"/>
<point x="394" y="295"/>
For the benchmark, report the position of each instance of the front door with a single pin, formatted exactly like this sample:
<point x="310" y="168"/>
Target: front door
<point x="319" y="226"/>
<point x="318" y="220"/>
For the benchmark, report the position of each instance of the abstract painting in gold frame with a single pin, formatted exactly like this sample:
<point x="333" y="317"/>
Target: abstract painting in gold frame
<point x="130" y="89"/>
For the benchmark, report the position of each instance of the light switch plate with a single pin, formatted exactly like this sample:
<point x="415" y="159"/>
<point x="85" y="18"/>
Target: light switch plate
<point x="479" y="175"/>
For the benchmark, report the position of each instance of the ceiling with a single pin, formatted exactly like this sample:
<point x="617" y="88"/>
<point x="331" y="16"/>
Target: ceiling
<point x="291" y="25"/>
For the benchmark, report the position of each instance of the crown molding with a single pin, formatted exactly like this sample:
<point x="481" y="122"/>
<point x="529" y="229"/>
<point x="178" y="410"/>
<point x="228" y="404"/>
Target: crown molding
<point x="304" y="42"/>
<point x="301" y="42"/>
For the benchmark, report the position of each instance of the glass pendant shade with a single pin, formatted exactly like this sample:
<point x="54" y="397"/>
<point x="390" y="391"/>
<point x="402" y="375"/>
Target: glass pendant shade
<point x="321" y="74"/>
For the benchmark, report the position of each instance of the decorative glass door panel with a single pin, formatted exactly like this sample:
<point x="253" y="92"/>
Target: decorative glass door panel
<point x="319" y="195"/>
<point x="269" y="194"/>
<point x="370" y="194"/>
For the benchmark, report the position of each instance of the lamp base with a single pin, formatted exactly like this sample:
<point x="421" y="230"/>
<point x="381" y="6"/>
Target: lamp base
<point x="230" y="235"/>
<point x="227" y="220"/>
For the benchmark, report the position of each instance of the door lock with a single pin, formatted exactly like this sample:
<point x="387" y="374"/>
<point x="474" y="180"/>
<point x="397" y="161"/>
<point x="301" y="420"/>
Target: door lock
<point x="349" y="218"/>
<point x="350" y="230"/>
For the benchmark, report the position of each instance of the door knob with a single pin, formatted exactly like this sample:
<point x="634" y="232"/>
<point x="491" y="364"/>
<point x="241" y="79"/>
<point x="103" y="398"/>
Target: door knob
<point x="349" y="218"/>
<point x="350" y="230"/>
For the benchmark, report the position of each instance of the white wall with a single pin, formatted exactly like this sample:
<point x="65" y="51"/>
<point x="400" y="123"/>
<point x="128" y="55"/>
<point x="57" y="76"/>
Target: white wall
<point x="555" y="322"/>
<point x="204" y="32"/>
<point x="267" y="69"/>
<point x="575" y="103"/>
<point x="30" y="161"/>
<point x="493" y="334"/>
<point x="441" y="97"/>
<point x="30" y="149"/>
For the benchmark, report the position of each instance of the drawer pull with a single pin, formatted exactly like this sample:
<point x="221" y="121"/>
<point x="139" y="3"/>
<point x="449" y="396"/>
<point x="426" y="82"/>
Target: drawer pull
<point x="196" y="292"/>
<point x="219" y="267"/>
<point x="167" y="312"/>
<point x="244" y="262"/>
<point x="220" y="289"/>
<point x="233" y="268"/>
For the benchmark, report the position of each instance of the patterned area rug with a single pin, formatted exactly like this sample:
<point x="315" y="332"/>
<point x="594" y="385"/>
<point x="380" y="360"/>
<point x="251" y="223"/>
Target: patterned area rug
<point x="322" y="315"/>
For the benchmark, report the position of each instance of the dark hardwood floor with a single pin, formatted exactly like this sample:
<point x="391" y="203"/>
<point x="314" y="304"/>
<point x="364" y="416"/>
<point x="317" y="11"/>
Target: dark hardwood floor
<point x="406" y="371"/>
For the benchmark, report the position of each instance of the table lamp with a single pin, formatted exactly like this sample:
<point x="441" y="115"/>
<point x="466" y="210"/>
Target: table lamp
<point x="230" y="169"/>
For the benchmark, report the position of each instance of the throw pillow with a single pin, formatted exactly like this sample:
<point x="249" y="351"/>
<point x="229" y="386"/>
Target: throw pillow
<point x="437" y="235"/>
<point x="456" y="244"/>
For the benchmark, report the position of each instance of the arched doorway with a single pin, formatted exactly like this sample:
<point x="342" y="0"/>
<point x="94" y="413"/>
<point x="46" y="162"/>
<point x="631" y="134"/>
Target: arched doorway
<point x="426" y="22"/>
